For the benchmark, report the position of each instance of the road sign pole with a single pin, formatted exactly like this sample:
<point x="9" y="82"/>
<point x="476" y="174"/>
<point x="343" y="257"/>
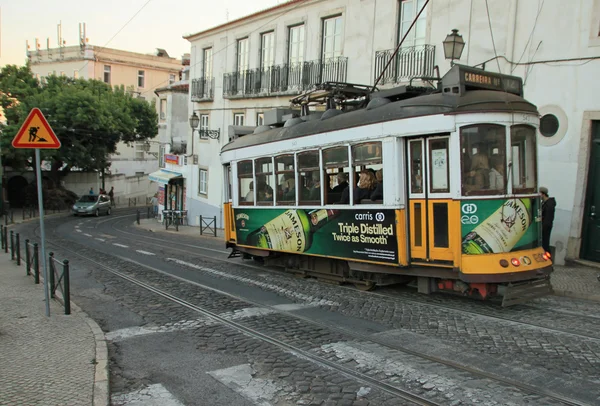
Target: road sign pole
<point x="38" y="166"/>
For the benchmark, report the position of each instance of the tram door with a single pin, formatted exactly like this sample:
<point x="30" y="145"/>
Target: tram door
<point x="429" y="199"/>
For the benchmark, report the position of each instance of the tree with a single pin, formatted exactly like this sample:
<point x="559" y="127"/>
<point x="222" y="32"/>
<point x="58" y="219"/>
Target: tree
<point x="88" y="116"/>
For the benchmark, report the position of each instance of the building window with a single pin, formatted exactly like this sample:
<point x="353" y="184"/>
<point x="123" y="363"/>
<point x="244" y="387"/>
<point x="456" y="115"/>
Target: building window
<point x="139" y="150"/>
<point x="332" y="37"/>
<point x="203" y="126"/>
<point x="171" y="78"/>
<point x="242" y="55"/>
<point x="260" y="119"/>
<point x="107" y="74"/>
<point x="408" y="10"/>
<point x="207" y="63"/>
<point x="76" y="74"/>
<point x="267" y="49"/>
<point x="141" y="78"/>
<point x="296" y="45"/>
<point x="163" y="109"/>
<point x="238" y="119"/>
<point x="203" y="182"/>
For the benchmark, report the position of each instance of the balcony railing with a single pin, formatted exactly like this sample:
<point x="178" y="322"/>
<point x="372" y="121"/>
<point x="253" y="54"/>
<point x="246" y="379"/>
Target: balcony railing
<point x="286" y="78"/>
<point x="203" y="89"/>
<point x="409" y="62"/>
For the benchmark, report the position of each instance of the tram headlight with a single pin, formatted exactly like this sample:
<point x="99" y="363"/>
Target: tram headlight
<point x="515" y="262"/>
<point x="504" y="263"/>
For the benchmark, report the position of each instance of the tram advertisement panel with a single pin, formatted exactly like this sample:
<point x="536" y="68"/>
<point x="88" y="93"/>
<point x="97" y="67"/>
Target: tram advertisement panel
<point x="503" y="225"/>
<point x="356" y="234"/>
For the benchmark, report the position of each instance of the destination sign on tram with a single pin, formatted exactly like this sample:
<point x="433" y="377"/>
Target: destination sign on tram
<point x="490" y="80"/>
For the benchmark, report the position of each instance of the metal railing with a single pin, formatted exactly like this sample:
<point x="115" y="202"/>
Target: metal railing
<point x="409" y="62"/>
<point x="210" y="225"/>
<point x="203" y="89"/>
<point x="59" y="280"/>
<point x="284" y="78"/>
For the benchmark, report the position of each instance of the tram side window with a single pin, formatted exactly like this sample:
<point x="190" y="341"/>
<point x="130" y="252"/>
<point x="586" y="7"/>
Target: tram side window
<point x="246" y="185"/>
<point x="309" y="178"/>
<point x="483" y="159"/>
<point x="264" y="181"/>
<point x="522" y="141"/>
<point x="335" y="164"/>
<point x="368" y="165"/>
<point x="416" y="166"/>
<point x="286" y="180"/>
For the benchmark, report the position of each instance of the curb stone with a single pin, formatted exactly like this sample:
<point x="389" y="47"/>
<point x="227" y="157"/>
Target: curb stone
<point x="101" y="381"/>
<point x="101" y="390"/>
<point x="577" y="295"/>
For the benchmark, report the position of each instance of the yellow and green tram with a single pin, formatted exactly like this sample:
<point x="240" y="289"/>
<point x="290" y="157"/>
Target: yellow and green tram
<point x="433" y="184"/>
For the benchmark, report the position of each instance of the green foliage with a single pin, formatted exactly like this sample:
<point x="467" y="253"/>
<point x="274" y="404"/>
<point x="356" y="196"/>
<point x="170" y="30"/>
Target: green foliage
<point x="88" y="116"/>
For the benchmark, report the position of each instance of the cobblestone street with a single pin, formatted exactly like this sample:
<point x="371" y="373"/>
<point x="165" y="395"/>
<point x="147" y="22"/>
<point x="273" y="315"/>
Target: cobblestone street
<point x="279" y="340"/>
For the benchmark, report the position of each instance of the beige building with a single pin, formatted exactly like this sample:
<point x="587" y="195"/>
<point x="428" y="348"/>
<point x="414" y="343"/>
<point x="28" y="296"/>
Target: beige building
<point x="141" y="74"/>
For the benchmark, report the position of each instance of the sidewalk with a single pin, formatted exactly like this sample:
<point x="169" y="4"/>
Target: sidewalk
<point x="56" y="360"/>
<point x="193" y="231"/>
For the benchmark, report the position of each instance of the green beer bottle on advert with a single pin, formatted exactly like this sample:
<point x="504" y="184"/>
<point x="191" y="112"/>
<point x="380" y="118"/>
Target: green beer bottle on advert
<point x="292" y="230"/>
<point x="501" y="231"/>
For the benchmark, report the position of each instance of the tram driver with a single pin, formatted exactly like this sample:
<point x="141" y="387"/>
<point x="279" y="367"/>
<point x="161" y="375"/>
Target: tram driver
<point x="478" y="176"/>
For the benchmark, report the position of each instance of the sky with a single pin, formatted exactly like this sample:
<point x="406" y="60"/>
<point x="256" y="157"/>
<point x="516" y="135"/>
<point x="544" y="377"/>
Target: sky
<point x="159" y="24"/>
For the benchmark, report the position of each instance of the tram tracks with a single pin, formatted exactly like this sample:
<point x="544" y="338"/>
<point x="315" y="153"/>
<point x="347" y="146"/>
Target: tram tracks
<point x="407" y="298"/>
<point x="548" y="397"/>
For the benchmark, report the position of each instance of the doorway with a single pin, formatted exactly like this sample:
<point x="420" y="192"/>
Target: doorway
<point x="590" y="239"/>
<point x="429" y="202"/>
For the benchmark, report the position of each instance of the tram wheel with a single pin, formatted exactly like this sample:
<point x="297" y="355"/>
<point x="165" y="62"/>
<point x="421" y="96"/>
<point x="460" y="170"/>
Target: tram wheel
<point x="366" y="286"/>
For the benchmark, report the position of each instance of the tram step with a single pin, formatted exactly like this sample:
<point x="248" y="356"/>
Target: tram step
<point x="234" y="254"/>
<point x="522" y="292"/>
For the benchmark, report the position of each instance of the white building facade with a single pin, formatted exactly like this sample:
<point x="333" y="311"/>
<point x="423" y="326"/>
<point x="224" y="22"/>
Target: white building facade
<point x="243" y="68"/>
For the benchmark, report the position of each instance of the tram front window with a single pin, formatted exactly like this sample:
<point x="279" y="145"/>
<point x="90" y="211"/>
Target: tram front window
<point x="522" y="141"/>
<point x="483" y="159"/>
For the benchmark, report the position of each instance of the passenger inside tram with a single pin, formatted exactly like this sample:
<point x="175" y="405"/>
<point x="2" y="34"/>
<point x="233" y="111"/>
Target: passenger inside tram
<point x="366" y="186"/>
<point x="250" y="195"/>
<point x="378" y="192"/>
<point x="478" y="176"/>
<point x="315" y="190"/>
<point x="497" y="173"/>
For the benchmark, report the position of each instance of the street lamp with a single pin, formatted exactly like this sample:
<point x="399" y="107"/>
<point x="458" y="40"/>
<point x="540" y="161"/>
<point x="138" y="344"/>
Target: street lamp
<point x="453" y="46"/>
<point x="194" y="121"/>
<point x="203" y="132"/>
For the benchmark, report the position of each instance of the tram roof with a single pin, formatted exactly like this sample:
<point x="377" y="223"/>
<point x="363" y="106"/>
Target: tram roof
<point x="475" y="101"/>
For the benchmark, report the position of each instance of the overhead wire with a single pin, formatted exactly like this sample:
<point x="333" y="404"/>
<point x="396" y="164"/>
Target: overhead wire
<point x="530" y="37"/>
<point x="487" y="8"/>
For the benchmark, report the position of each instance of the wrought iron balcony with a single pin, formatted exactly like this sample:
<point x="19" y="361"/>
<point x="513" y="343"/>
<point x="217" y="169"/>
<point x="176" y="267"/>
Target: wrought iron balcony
<point x="409" y="62"/>
<point x="286" y="78"/>
<point x="203" y="89"/>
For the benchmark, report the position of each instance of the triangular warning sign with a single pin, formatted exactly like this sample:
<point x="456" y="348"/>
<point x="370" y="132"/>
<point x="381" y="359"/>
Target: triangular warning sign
<point x="36" y="133"/>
